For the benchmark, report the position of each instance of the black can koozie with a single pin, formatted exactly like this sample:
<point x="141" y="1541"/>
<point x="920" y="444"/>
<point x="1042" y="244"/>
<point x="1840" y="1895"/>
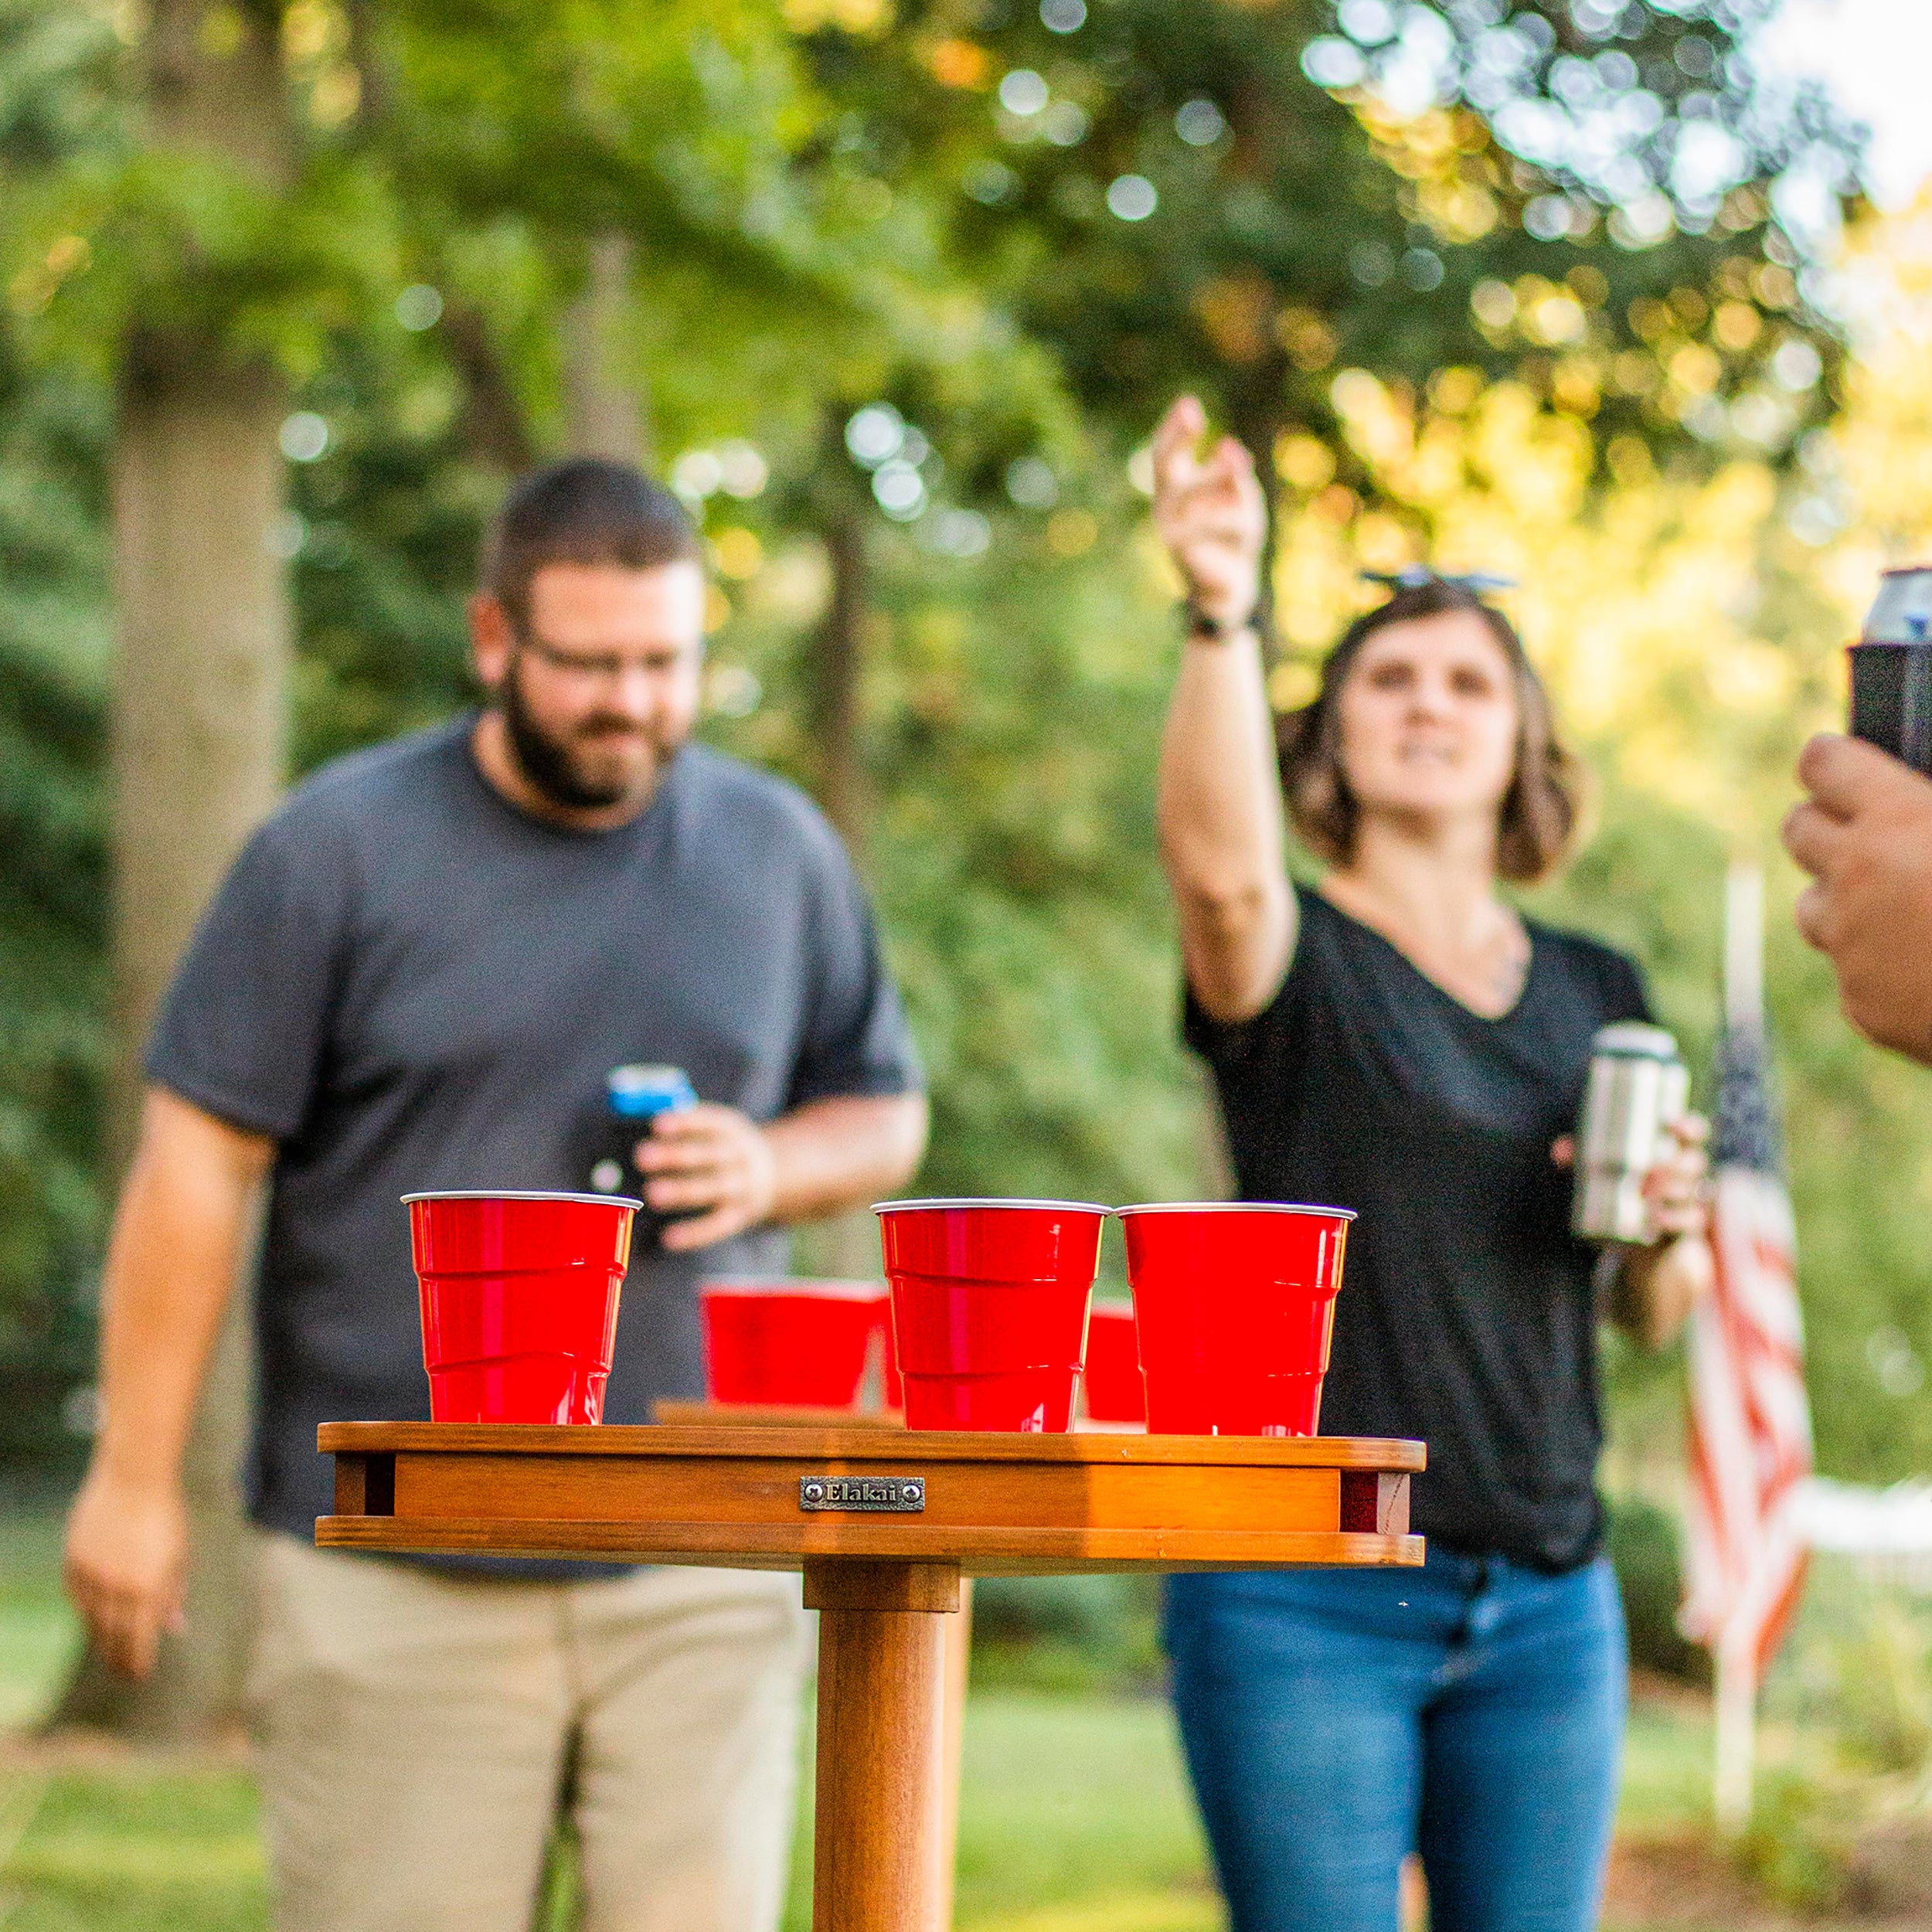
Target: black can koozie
<point x="633" y="1098"/>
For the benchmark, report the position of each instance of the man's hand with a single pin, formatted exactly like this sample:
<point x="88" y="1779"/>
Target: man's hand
<point x="823" y="1156"/>
<point x="179" y="1237"/>
<point x="1866" y="838"/>
<point x="1210" y="513"/>
<point x="710" y="1157"/>
<point x="127" y="1565"/>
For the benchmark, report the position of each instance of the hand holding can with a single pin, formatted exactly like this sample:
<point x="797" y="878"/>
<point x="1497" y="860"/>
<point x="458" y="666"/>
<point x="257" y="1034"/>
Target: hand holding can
<point x="636" y="1098"/>
<point x="1679" y="1185"/>
<point x="1638" y="1089"/>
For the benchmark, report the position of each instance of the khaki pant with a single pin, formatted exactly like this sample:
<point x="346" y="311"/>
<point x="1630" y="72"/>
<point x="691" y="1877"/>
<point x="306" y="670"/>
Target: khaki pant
<point x="411" y="1732"/>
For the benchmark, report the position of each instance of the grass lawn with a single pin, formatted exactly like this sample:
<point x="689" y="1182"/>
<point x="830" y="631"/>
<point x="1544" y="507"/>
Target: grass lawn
<point x="123" y="1851"/>
<point x="127" y="1847"/>
<point x="1074" y="1814"/>
<point x="37" y="1631"/>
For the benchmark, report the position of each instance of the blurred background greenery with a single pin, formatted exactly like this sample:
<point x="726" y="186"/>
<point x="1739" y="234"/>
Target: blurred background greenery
<point x="892" y="293"/>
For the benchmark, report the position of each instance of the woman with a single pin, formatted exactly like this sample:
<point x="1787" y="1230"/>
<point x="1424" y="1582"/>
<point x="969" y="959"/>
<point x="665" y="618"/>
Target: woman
<point x="1400" y="1041"/>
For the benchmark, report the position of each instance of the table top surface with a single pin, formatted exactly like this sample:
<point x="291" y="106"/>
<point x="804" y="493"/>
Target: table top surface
<point x="778" y="1497"/>
<point x="867" y="1441"/>
<point x="699" y="1412"/>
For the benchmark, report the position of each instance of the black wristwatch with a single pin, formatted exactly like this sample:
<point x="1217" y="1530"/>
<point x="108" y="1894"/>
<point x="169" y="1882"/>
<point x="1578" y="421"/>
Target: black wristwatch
<point x="1201" y="624"/>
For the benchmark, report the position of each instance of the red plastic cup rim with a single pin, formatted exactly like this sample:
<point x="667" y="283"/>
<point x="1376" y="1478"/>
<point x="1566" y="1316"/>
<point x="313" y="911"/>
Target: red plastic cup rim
<point x="520" y="1194"/>
<point x="1090" y="1207"/>
<point x="1056" y="1207"/>
<point x="964" y="1378"/>
<point x="758" y="1287"/>
<point x="1233" y="1207"/>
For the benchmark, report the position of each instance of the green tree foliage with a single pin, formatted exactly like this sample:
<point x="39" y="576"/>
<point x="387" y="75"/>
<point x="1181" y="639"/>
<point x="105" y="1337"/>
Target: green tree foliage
<point x="52" y="664"/>
<point x="53" y="661"/>
<point x="1246" y="199"/>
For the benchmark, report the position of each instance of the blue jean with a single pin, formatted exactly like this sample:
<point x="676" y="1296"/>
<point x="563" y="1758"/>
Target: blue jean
<point x="1336" y="1720"/>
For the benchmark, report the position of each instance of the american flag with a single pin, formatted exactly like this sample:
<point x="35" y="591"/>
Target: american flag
<point x="1750" y="1424"/>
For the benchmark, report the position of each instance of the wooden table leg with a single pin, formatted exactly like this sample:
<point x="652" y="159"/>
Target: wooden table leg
<point x="959" y="1644"/>
<point x="881" y="1777"/>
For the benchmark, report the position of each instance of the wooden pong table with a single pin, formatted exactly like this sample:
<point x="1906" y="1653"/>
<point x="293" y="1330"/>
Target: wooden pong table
<point x="885" y="1523"/>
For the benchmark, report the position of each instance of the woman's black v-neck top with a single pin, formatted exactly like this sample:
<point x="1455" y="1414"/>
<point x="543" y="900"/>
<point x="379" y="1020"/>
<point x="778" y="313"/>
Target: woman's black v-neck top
<point x="1466" y="1316"/>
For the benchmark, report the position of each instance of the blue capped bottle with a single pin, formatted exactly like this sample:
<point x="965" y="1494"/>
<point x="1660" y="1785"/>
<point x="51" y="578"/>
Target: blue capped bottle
<point x="633" y="1098"/>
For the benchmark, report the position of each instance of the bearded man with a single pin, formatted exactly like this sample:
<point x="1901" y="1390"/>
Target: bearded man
<point x="417" y="976"/>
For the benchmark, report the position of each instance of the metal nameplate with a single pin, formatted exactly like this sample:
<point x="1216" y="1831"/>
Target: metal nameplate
<point x="906" y="1494"/>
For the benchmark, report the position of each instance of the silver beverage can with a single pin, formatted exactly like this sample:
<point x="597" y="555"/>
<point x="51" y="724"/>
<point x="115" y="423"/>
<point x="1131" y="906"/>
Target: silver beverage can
<point x="1902" y="611"/>
<point x="1638" y="1086"/>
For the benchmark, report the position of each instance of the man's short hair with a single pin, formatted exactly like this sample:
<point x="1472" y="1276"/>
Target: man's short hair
<point x="584" y="511"/>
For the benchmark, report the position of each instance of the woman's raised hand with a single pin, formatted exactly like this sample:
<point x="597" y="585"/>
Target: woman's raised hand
<point x="1210" y="513"/>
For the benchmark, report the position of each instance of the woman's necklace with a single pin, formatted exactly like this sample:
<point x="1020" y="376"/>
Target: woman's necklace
<point x="1511" y="971"/>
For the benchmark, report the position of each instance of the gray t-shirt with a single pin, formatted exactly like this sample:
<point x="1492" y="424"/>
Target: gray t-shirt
<point x="410" y="984"/>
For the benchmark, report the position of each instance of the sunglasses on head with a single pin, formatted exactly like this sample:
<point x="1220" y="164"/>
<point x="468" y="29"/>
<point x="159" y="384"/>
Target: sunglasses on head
<point x="1413" y="576"/>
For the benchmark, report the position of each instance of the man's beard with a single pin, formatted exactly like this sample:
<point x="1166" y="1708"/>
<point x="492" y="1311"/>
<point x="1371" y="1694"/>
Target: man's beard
<point x="555" y="766"/>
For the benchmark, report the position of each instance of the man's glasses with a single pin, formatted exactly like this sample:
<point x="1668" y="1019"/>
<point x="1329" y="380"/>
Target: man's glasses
<point x="606" y="667"/>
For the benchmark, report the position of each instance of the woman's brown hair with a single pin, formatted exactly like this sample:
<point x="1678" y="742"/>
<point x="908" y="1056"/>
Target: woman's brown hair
<point x="1542" y="813"/>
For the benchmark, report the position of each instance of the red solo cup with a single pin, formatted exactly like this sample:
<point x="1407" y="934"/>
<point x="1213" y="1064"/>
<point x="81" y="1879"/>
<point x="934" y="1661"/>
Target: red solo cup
<point x="788" y="1342"/>
<point x="519" y="1300"/>
<point x="1235" y="1304"/>
<point x="989" y="1309"/>
<point x="1114" y="1390"/>
<point x="1264" y="1405"/>
<point x="1034" y="1400"/>
<point x="893" y="1393"/>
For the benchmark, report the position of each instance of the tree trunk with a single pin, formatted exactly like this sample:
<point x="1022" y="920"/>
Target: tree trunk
<point x="603" y="405"/>
<point x="837" y="666"/>
<point x="197" y="758"/>
<point x="843" y="1245"/>
<point x="492" y="420"/>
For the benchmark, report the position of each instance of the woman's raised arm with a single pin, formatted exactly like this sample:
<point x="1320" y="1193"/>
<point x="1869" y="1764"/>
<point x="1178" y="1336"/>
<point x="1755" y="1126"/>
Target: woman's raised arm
<point x="1223" y="834"/>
